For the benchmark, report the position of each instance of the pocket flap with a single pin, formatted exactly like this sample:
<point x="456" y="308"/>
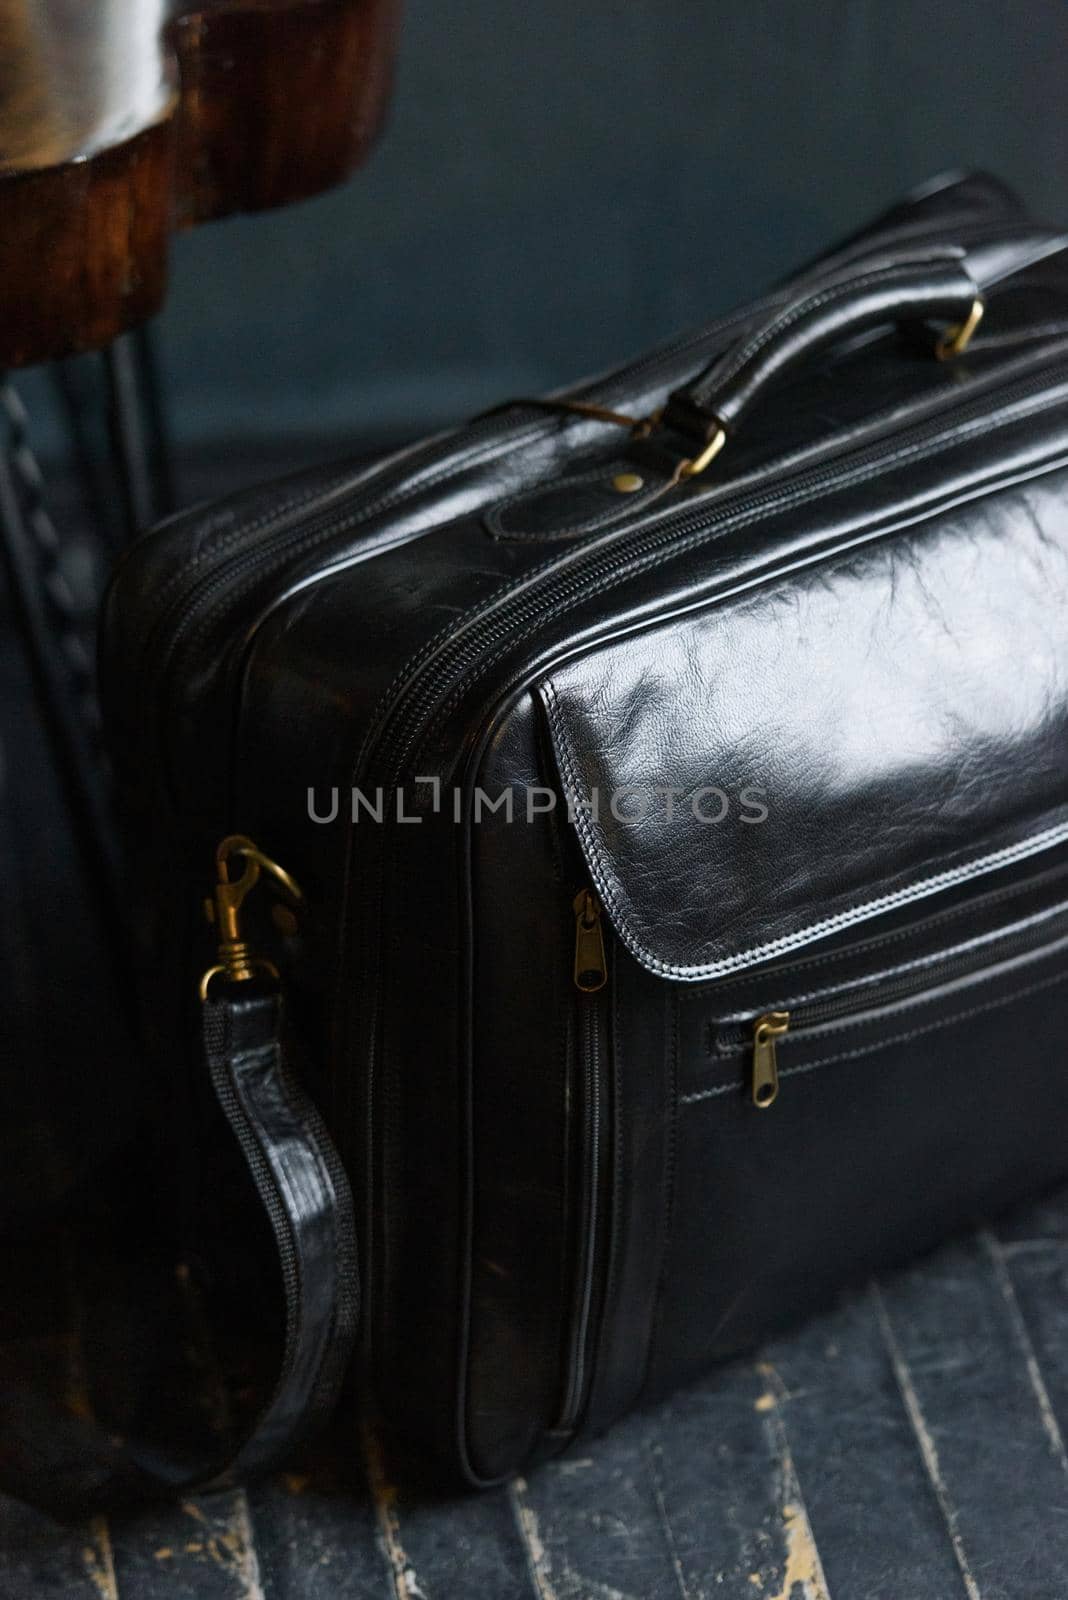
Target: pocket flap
<point x="829" y="744"/>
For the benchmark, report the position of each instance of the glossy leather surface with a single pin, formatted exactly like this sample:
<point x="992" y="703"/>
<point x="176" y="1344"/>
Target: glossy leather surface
<point x="861" y="609"/>
<point x="75" y="1462"/>
<point x="903" y="290"/>
<point x="303" y="1188"/>
<point x="876" y="706"/>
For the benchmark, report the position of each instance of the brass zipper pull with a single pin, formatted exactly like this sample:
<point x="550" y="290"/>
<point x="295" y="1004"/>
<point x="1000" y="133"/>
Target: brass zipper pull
<point x="591" y="965"/>
<point x="766" y="1030"/>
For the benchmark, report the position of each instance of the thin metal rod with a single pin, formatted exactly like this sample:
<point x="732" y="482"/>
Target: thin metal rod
<point x="30" y="543"/>
<point x="138" y="437"/>
<point x="155" y="423"/>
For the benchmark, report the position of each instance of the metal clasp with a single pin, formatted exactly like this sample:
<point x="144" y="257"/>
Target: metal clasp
<point x="236" y="963"/>
<point x="692" y="466"/>
<point x="956" y="340"/>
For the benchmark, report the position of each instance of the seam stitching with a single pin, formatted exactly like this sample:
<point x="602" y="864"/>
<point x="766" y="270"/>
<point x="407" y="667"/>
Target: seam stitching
<point x="882" y="1044"/>
<point x="841" y="919"/>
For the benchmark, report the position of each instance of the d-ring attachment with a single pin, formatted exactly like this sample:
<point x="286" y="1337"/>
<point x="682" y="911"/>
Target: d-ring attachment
<point x="236" y="963"/>
<point x="691" y="467"/>
<point x="956" y="340"/>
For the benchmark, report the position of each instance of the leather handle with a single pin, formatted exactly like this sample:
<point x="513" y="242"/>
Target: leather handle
<point x="68" y="1463"/>
<point x="302" y="1186"/>
<point x="933" y="287"/>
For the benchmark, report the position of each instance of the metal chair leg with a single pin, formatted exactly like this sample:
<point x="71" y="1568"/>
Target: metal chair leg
<point x="138" y="434"/>
<point x="53" y="635"/>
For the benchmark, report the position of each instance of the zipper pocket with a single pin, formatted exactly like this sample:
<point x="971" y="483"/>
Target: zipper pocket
<point x="782" y="1017"/>
<point x="590" y="974"/>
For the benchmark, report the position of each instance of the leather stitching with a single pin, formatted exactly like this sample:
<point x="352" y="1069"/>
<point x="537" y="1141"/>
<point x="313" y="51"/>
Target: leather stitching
<point x="816" y="963"/>
<point x="706" y="535"/>
<point x="804" y="308"/>
<point x="912" y="969"/>
<point x="1044" y="839"/>
<point x="499" y="529"/>
<point x="668" y="1189"/>
<point x="885" y="1043"/>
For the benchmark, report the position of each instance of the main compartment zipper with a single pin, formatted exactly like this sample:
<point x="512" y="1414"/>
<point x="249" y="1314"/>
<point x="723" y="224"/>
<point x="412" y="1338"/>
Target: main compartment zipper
<point x="589" y="1086"/>
<point x="437" y="676"/>
<point x="305" y="523"/>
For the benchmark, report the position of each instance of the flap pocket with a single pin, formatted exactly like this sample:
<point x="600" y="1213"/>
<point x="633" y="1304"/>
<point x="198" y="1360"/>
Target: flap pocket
<point x="828" y="744"/>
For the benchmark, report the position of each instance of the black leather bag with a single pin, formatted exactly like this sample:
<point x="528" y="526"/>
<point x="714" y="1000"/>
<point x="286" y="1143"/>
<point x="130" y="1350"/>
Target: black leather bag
<point x="675" y="776"/>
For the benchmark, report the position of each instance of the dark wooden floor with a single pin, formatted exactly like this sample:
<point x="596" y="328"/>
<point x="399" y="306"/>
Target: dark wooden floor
<point x="907" y="1445"/>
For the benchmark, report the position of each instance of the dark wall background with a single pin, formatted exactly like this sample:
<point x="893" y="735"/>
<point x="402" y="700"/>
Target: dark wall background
<point x="564" y="183"/>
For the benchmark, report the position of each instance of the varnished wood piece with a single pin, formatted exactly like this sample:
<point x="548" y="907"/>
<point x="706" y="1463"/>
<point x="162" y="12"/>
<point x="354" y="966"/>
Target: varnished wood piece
<point x="123" y="119"/>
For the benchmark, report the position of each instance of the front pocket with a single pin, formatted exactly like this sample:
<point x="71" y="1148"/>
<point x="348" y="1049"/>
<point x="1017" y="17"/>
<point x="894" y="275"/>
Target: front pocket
<point x="793" y="1018"/>
<point x="923" y="1089"/>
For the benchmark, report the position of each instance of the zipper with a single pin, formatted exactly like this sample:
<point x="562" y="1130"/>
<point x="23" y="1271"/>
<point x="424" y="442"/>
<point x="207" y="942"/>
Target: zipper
<point x="772" y="1025"/>
<point x="590" y="973"/>
<point x="281" y="539"/>
<point x="590" y="968"/>
<point x="436" y="678"/>
<point x="765" y="1078"/>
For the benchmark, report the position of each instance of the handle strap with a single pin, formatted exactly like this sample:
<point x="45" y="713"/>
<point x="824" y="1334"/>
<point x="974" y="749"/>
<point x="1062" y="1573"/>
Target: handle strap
<point x="302" y="1185"/>
<point x="934" y="287"/>
<point x="65" y="1463"/>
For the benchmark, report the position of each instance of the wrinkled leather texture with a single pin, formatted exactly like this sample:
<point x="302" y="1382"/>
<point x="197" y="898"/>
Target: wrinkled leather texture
<point x="302" y="1186"/>
<point x="899" y="715"/>
<point x="861" y="609"/>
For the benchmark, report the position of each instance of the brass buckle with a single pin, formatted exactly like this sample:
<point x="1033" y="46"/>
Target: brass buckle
<point x="956" y="340"/>
<point x="641" y="428"/>
<point x="236" y="963"/>
<point x="692" y="466"/>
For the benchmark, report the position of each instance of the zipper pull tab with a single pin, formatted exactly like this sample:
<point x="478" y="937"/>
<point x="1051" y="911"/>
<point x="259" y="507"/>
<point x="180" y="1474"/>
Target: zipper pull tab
<point x="591" y="965"/>
<point x="766" y="1030"/>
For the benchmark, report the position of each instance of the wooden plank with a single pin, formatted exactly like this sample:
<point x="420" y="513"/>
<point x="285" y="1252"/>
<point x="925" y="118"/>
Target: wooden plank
<point x="41" y="1559"/>
<point x="880" y="1532"/>
<point x="317" y="1533"/>
<point x="150" y="1336"/>
<point x="441" y="1545"/>
<point x="1029" y="1252"/>
<point x="199" y="1549"/>
<point x="967" y="1382"/>
<point x="355" y="1520"/>
<point x="592" y="1525"/>
<point x="39" y="1350"/>
<point x="731" y="1497"/>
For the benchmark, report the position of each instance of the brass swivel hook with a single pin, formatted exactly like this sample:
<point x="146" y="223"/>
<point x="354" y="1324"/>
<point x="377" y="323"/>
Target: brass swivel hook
<point x="236" y="963"/>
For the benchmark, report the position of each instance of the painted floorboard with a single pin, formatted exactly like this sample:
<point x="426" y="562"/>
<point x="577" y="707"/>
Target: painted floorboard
<point x="41" y="1556"/>
<point x="969" y="1389"/>
<point x="591" y="1522"/>
<point x="317" y="1535"/>
<point x="879" y="1529"/>
<point x="443" y="1546"/>
<point x="730" y="1494"/>
<point x="1030" y="1251"/>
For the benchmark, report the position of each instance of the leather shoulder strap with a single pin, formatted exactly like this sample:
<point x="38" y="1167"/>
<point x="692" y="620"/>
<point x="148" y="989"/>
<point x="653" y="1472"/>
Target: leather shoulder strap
<point x="62" y="1461"/>
<point x="300" y="1180"/>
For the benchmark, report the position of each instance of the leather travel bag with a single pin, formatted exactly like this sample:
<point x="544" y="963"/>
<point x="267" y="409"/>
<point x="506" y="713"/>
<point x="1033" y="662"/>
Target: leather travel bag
<point x="653" y="804"/>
